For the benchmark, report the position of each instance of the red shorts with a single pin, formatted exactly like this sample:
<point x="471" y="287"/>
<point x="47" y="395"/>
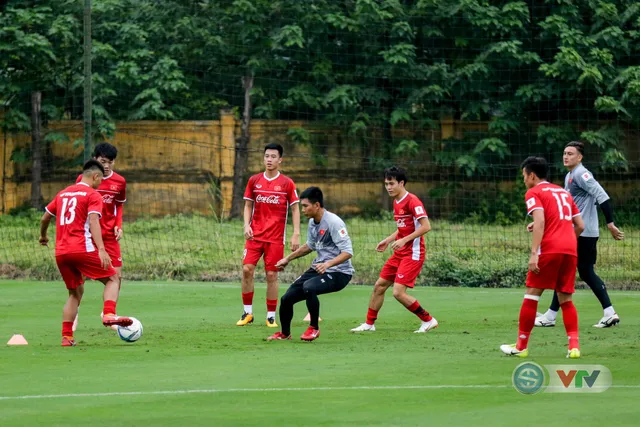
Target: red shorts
<point x="557" y="271"/>
<point x="401" y="270"/>
<point x="74" y="268"/>
<point x="253" y="251"/>
<point x="113" y="249"/>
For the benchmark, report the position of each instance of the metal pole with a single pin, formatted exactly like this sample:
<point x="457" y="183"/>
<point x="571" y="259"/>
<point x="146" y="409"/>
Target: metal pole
<point x="88" y="103"/>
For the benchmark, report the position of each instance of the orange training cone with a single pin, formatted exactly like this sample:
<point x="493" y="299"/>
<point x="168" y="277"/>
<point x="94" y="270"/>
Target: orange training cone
<point x="307" y="318"/>
<point x="17" y="339"/>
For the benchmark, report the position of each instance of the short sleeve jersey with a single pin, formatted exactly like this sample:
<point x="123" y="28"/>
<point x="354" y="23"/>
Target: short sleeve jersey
<point x="407" y="211"/>
<point x="113" y="190"/>
<point x="271" y="200"/>
<point x="71" y="208"/>
<point x="559" y="210"/>
<point x="587" y="193"/>
<point x="329" y="238"/>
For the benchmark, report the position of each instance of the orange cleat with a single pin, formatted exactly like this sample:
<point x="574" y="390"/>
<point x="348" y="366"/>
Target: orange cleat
<point x="310" y="334"/>
<point x="68" y="342"/>
<point x="112" y="319"/>
<point x="278" y="336"/>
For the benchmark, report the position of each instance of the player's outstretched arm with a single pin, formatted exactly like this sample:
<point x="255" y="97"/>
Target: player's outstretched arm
<point x="96" y="234"/>
<point x="302" y="251"/>
<point x="424" y="228"/>
<point x="295" y="216"/>
<point x="44" y="226"/>
<point x="607" y="210"/>
<point x="382" y="246"/>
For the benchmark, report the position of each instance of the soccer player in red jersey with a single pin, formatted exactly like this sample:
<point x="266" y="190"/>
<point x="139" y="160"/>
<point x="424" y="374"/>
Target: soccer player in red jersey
<point x="557" y="223"/>
<point x="113" y="190"/>
<point x="268" y="197"/>
<point x="80" y="250"/>
<point x="402" y="269"/>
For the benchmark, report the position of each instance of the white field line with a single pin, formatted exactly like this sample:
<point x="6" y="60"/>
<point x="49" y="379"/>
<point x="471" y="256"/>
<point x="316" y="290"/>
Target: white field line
<point x="275" y="389"/>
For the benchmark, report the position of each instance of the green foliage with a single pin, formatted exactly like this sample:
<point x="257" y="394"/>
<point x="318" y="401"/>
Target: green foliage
<point x="368" y="67"/>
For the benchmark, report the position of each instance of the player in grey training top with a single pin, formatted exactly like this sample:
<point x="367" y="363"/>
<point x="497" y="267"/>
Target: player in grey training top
<point x="330" y="271"/>
<point x="587" y="193"/>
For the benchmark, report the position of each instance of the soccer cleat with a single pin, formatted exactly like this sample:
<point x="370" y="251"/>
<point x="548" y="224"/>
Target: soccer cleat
<point x="365" y="327"/>
<point x="271" y="322"/>
<point x="543" y="322"/>
<point x="245" y="319"/>
<point x="278" y="336"/>
<point x="427" y="326"/>
<point x="511" y="350"/>
<point x="574" y="353"/>
<point x="115" y="320"/>
<point x="68" y="342"/>
<point x="310" y="334"/>
<point x="608" y="321"/>
<point x="114" y="327"/>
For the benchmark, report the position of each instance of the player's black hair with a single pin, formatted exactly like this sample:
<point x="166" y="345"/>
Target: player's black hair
<point x="537" y="165"/>
<point x="397" y="173"/>
<point x="314" y="195"/>
<point x="274" y="146"/>
<point x="577" y="145"/>
<point x="92" y="166"/>
<point x="105" y="149"/>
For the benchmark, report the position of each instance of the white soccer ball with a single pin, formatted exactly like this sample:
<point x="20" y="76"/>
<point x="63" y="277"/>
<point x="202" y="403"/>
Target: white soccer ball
<point x="131" y="333"/>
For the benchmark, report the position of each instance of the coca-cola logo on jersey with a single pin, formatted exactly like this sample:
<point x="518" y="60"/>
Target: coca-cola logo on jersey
<point x="272" y="200"/>
<point x="400" y="222"/>
<point x="107" y="198"/>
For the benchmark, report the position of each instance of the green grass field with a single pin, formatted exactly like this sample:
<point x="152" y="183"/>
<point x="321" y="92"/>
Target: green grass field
<point x="193" y="366"/>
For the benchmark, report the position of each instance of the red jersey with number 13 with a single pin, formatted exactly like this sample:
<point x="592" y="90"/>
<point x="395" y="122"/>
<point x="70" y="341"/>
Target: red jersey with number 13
<point x="271" y="200"/>
<point x="407" y="211"/>
<point x="71" y="208"/>
<point x="559" y="210"/>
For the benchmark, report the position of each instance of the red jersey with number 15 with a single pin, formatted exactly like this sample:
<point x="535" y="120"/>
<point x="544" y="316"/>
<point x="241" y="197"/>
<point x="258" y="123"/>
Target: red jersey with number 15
<point x="559" y="210"/>
<point x="113" y="190"/>
<point x="71" y="208"/>
<point x="407" y="211"/>
<point x="271" y="200"/>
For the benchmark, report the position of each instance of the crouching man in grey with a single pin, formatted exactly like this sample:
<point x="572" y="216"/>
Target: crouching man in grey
<point x="330" y="271"/>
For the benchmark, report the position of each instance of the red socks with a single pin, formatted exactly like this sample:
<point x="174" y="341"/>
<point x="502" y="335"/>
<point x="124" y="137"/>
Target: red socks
<point x="416" y="309"/>
<point x="67" y="329"/>
<point x="272" y="304"/>
<point x="247" y="298"/>
<point x="570" y="318"/>
<point x="109" y="307"/>
<point x="527" y="320"/>
<point x="372" y="315"/>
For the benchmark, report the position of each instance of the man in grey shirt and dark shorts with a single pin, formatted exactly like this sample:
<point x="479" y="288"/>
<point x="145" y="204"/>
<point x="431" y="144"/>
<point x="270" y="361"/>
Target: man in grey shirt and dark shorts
<point x="330" y="271"/>
<point x="587" y="193"/>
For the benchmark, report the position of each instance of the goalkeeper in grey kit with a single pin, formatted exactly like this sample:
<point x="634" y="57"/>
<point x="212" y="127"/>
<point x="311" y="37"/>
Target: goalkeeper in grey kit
<point x="330" y="271"/>
<point x="588" y="194"/>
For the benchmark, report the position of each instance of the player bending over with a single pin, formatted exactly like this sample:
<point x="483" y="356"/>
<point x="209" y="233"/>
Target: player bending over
<point x="113" y="190"/>
<point x="268" y="197"/>
<point x="330" y="271"/>
<point x="586" y="192"/>
<point x="554" y="254"/>
<point x="403" y="267"/>
<point x="80" y="250"/>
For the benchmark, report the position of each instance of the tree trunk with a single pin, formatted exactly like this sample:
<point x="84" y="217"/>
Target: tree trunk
<point x="36" y="150"/>
<point x="242" y="152"/>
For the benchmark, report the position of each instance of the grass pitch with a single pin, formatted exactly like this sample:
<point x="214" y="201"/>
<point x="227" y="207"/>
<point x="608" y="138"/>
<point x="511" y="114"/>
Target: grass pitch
<point x="193" y="366"/>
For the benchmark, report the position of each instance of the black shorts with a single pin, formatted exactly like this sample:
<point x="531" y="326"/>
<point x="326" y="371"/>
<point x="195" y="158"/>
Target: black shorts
<point x="321" y="283"/>
<point x="587" y="250"/>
